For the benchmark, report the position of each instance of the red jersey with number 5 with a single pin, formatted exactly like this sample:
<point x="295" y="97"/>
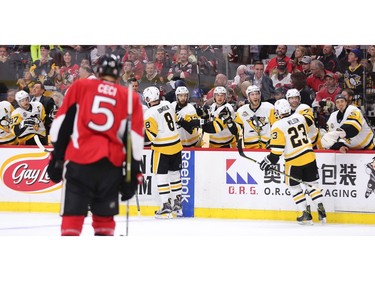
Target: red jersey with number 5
<point x="91" y="123"/>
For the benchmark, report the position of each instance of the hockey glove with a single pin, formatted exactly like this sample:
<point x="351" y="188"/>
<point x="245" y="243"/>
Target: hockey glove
<point x="266" y="164"/>
<point x="330" y="138"/>
<point x="197" y="123"/>
<point x="55" y="168"/>
<point x="28" y="122"/>
<point x="127" y="190"/>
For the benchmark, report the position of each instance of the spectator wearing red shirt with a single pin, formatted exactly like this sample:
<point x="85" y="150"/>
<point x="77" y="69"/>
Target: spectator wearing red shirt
<point x="316" y="80"/>
<point x="280" y="55"/>
<point x="330" y="90"/>
<point x="138" y="67"/>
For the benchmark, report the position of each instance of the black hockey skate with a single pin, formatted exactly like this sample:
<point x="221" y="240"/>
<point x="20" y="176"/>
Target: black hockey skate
<point x="305" y="218"/>
<point x="321" y="213"/>
<point x="165" y="212"/>
<point x="177" y="207"/>
<point x="368" y="192"/>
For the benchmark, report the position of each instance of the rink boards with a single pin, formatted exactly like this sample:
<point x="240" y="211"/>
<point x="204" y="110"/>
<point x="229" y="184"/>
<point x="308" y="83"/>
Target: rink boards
<point x="216" y="183"/>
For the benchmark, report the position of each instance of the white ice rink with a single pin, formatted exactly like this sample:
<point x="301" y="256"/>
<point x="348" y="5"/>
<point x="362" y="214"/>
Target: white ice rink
<point x="185" y="249"/>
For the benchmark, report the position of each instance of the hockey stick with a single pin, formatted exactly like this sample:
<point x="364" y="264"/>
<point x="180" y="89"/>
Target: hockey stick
<point x="40" y="145"/>
<point x="129" y="149"/>
<point x="241" y="152"/>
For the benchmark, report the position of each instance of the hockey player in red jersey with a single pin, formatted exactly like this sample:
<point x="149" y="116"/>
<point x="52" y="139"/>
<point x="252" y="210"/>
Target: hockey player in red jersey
<point x="89" y="138"/>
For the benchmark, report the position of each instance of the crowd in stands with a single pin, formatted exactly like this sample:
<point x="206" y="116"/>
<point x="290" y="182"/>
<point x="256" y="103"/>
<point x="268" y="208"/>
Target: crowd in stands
<point x="318" y="72"/>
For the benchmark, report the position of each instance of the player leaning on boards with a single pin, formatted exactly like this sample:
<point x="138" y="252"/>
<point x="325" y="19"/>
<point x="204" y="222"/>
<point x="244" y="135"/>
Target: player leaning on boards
<point x="220" y="125"/>
<point x="347" y="128"/>
<point x="7" y="136"/>
<point x="166" y="159"/>
<point x="28" y="120"/>
<point x="89" y="135"/>
<point x="185" y="112"/>
<point x="289" y="138"/>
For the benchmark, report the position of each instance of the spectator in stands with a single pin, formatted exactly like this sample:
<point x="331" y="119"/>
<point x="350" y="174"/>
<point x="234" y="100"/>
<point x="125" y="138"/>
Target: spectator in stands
<point x="191" y="57"/>
<point x="127" y="72"/>
<point x="371" y="62"/>
<point x="162" y="63"/>
<point x="20" y="59"/>
<point x="150" y="77"/>
<point x="79" y="52"/>
<point x="279" y="94"/>
<point x="26" y="83"/>
<point x="11" y="97"/>
<point x="305" y="65"/>
<point x="232" y="98"/>
<point x="7" y="71"/>
<point x="258" y="78"/>
<point x="242" y="74"/>
<point x="281" y="78"/>
<point x="299" y="82"/>
<point x="348" y="95"/>
<point x="117" y="50"/>
<point x="220" y="80"/>
<point x="329" y="59"/>
<point x="343" y="56"/>
<point x="68" y="72"/>
<point x="242" y="97"/>
<point x="353" y="75"/>
<point x="347" y="128"/>
<point x="299" y="53"/>
<point x="208" y="65"/>
<point x="317" y="79"/>
<point x="274" y="62"/>
<point x="48" y="103"/>
<point x="85" y="71"/>
<point x="141" y="50"/>
<point x="45" y="68"/>
<point x="325" y="99"/>
<point x="183" y="69"/>
<point x="133" y="55"/>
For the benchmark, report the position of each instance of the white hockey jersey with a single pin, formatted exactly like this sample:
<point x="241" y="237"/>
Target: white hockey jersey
<point x="7" y="135"/>
<point x="222" y="135"/>
<point x="36" y="114"/>
<point x="161" y="128"/>
<point x="289" y="137"/>
<point x="256" y="124"/>
<point x="188" y="113"/>
<point x="308" y="113"/>
<point x="353" y="117"/>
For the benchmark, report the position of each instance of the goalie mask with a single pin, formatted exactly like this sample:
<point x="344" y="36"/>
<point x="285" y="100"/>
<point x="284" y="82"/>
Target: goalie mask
<point x="151" y="94"/>
<point x="282" y="107"/>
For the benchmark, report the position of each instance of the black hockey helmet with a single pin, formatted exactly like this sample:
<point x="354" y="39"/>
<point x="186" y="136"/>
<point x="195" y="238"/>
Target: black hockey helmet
<point x="110" y="65"/>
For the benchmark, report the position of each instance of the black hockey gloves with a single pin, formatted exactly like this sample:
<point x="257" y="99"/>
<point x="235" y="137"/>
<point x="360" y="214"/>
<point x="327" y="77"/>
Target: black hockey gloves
<point x="127" y="190"/>
<point x="55" y="168"/>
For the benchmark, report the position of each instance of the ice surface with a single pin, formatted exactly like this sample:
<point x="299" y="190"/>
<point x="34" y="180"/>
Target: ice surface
<point x="188" y="248"/>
